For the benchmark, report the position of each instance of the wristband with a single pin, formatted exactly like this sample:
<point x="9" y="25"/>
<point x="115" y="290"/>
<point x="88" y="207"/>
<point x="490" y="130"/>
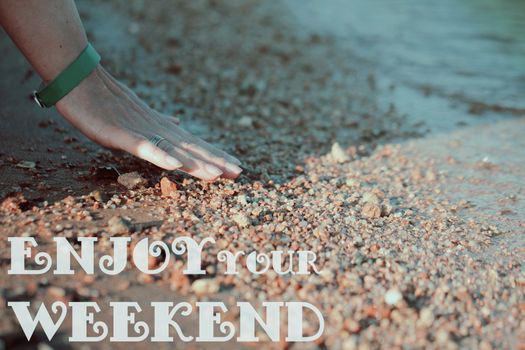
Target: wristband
<point x="68" y="79"/>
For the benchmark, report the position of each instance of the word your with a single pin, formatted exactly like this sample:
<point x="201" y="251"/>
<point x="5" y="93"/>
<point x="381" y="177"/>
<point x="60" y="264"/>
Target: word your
<point x="84" y="328"/>
<point x="299" y="262"/>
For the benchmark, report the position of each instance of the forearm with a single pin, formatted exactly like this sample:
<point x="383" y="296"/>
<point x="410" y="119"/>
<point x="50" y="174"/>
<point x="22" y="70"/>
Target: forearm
<point x="48" y="32"/>
<point x="51" y="36"/>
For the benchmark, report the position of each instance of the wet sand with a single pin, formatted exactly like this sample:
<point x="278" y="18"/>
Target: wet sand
<point x="425" y="203"/>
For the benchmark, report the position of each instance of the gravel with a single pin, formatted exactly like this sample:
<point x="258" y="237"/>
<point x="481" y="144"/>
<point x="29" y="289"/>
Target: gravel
<point x="168" y="188"/>
<point x="131" y="180"/>
<point x="401" y="267"/>
<point x="118" y="225"/>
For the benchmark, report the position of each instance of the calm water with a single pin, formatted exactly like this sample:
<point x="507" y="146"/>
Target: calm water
<point x="443" y="57"/>
<point x="459" y="50"/>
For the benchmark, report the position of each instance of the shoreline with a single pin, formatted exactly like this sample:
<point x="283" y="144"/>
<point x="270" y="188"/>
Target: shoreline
<point x="332" y="166"/>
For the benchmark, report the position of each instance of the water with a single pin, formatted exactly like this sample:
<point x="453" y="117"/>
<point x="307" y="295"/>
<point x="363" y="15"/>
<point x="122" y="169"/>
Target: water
<point x="458" y="67"/>
<point x="447" y="59"/>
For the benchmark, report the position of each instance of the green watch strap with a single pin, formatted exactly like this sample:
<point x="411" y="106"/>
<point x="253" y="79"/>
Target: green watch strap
<point x="69" y="78"/>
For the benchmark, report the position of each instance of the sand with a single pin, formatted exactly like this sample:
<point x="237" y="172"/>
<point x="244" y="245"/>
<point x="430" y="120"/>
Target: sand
<point x="420" y="237"/>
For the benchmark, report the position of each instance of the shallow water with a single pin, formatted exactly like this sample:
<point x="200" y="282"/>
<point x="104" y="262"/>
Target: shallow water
<point x="454" y="64"/>
<point x="448" y="60"/>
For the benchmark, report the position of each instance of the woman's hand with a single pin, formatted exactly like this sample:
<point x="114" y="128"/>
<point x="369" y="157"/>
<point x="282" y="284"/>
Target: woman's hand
<point x="113" y="116"/>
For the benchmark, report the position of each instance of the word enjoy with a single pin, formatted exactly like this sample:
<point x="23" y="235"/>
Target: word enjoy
<point x="298" y="262"/>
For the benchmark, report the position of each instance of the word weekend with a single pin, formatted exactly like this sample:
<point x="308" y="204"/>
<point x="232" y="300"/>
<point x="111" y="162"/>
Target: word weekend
<point x="85" y="328"/>
<point x="126" y="323"/>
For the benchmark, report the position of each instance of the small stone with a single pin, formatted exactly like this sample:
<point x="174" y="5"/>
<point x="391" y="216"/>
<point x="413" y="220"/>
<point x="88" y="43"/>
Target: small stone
<point x="178" y="280"/>
<point x="131" y="180"/>
<point x="485" y="345"/>
<point x="352" y="326"/>
<point x="393" y="296"/>
<point x="97" y="196"/>
<point x="416" y="174"/>
<point x="442" y="336"/>
<point x="242" y="199"/>
<point x="352" y="182"/>
<point x="371" y="211"/>
<point x="350" y="343"/>
<point x="44" y="346"/>
<point x="370" y="198"/>
<point x="205" y="286"/>
<point x="56" y="292"/>
<point x="154" y="261"/>
<point x="145" y="278"/>
<point x="89" y="279"/>
<point x="168" y="188"/>
<point x="134" y="28"/>
<point x="426" y="317"/>
<point x="122" y="285"/>
<point x="338" y="154"/>
<point x="13" y="204"/>
<point x="117" y="225"/>
<point x="26" y="164"/>
<point x="241" y="220"/>
<point x="245" y="121"/>
<point x="430" y="175"/>
<point x="279" y="239"/>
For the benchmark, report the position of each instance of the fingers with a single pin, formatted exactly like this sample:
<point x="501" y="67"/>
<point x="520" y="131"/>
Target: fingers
<point x="140" y="147"/>
<point x="210" y="148"/>
<point x="207" y="153"/>
<point x="191" y="164"/>
<point x="230" y="171"/>
<point x="165" y="155"/>
<point x="205" y="146"/>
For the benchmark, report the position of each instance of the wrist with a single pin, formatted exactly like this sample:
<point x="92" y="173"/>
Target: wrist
<point x="83" y="92"/>
<point x="74" y="74"/>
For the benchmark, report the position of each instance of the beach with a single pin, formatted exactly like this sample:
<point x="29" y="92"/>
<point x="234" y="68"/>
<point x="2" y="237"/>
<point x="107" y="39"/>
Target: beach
<point x="398" y="162"/>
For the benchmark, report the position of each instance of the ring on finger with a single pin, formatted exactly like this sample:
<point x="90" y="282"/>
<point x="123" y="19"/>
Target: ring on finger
<point x="156" y="140"/>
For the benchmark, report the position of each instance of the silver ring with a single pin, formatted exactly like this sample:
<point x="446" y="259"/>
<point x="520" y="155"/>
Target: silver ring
<point x="156" y="140"/>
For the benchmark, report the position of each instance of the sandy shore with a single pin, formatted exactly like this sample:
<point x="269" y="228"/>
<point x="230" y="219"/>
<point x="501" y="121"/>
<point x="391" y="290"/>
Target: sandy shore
<point x="420" y="238"/>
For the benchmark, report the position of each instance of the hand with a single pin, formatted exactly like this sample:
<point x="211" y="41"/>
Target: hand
<point x="110" y="114"/>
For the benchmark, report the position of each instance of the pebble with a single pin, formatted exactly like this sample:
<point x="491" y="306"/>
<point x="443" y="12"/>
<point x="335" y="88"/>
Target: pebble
<point x="168" y="188"/>
<point x="118" y="225"/>
<point x="371" y="211"/>
<point x="13" y="204"/>
<point x="370" y="198"/>
<point x="131" y="180"/>
<point x="178" y="280"/>
<point x="393" y="296"/>
<point x="426" y="317"/>
<point x="430" y="175"/>
<point x="98" y="196"/>
<point x="145" y="278"/>
<point x="242" y="199"/>
<point x="245" y="121"/>
<point x="44" y="346"/>
<point x="350" y="343"/>
<point x="241" y="220"/>
<point x="26" y="164"/>
<point x="56" y="292"/>
<point x="205" y="286"/>
<point x="352" y="182"/>
<point x="338" y="154"/>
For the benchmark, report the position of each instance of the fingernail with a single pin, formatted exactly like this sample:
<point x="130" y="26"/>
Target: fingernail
<point x="173" y="162"/>
<point x="233" y="168"/>
<point x="213" y="170"/>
